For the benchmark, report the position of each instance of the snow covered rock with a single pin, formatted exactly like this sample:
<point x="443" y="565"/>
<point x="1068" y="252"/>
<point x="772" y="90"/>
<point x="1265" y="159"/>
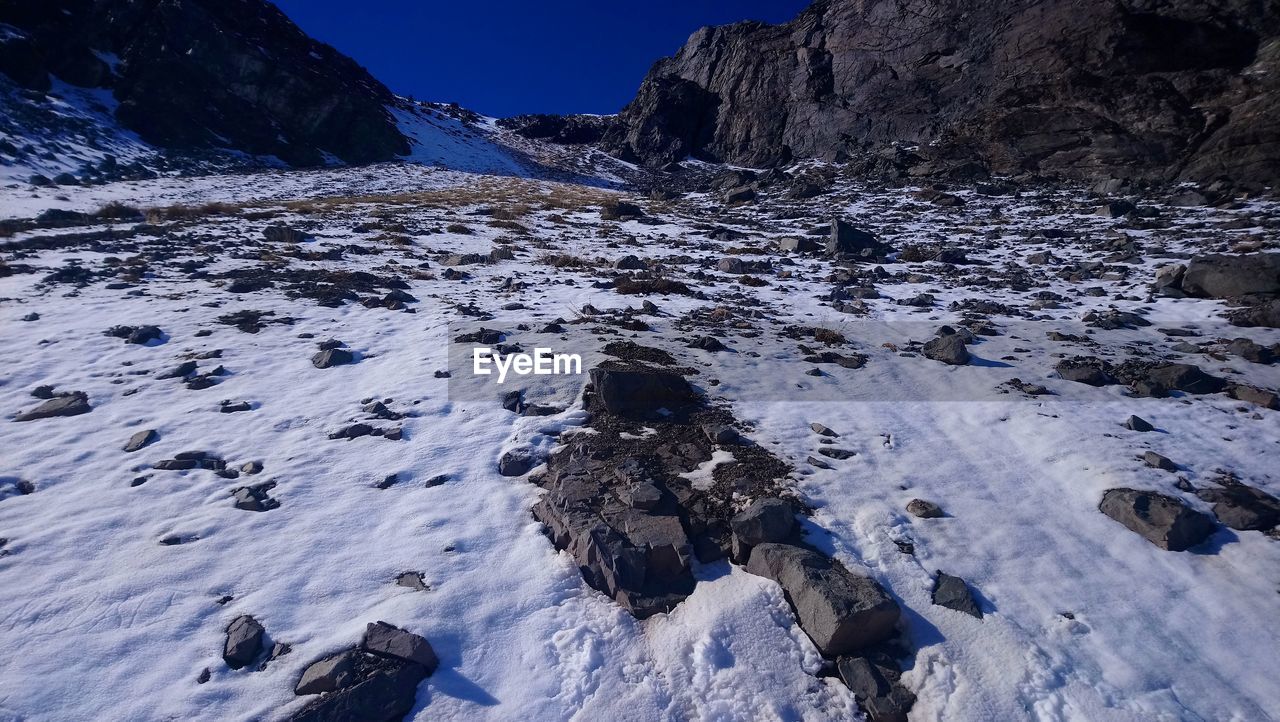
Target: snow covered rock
<point x="243" y="643"/>
<point x="1162" y="520"/>
<point x="842" y="612"/>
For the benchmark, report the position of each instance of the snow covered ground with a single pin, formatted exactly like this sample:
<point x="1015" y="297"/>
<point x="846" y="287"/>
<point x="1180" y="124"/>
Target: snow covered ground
<point x="1084" y="620"/>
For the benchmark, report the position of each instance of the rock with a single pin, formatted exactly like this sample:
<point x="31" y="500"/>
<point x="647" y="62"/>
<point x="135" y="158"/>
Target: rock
<point x="797" y="245"/>
<point x="1243" y="507"/>
<point x="1137" y="423"/>
<point x="763" y="521"/>
<point x="517" y="462"/>
<point x="924" y="509"/>
<point x="332" y="673"/>
<point x="976" y="88"/>
<point x="1159" y="379"/>
<point x="1265" y="315"/>
<point x="282" y="234"/>
<point x="384" y="639"/>
<point x="1159" y="462"/>
<point x="832" y="452"/>
<point x="332" y="357"/>
<point x="412" y="580"/>
<point x="1251" y="351"/>
<point x="1223" y="276"/>
<point x="1162" y="520"/>
<point x="255" y="498"/>
<point x="1084" y="370"/>
<point x="1261" y="397"/>
<point x="387" y="692"/>
<point x="1169" y="280"/>
<point x="630" y="263"/>
<point x="948" y="349"/>
<point x="620" y="211"/>
<point x="842" y="612"/>
<point x="1115" y="209"/>
<point x="140" y="439"/>
<point x="845" y="239"/>
<point x="707" y="343"/>
<point x="70" y="404"/>
<point x="876" y="688"/>
<point x="821" y="430"/>
<point x="952" y="593"/>
<point x="739" y="195"/>
<point x="243" y="643"/>
<point x="640" y="390"/>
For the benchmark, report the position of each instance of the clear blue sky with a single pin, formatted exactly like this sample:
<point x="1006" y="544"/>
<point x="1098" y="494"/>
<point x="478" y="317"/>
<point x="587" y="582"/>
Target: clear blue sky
<point x="506" y="57"/>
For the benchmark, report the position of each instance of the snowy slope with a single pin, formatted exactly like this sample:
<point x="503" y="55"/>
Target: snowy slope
<point x="1084" y="620"/>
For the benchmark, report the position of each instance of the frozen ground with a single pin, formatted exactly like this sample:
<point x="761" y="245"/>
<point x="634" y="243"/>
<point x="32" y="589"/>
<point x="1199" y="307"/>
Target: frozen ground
<point x="1084" y="620"/>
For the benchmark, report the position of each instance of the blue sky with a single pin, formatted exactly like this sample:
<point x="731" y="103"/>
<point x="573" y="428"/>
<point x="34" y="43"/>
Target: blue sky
<point x="504" y="57"/>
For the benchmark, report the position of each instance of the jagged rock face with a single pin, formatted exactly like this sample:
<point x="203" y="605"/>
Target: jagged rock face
<point x="1078" y="88"/>
<point x="195" y="74"/>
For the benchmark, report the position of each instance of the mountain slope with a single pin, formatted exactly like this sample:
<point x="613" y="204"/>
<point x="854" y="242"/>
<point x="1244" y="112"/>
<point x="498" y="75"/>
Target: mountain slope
<point x="1080" y="88"/>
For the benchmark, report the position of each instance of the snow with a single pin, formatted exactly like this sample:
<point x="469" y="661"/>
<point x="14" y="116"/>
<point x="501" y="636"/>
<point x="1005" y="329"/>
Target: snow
<point x="100" y="621"/>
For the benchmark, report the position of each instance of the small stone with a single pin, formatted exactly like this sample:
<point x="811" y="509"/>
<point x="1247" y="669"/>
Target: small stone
<point x="1137" y="423"/>
<point x="1159" y="462"/>
<point x="952" y="593"/>
<point x="924" y="509"/>
<point x="140" y="439"/>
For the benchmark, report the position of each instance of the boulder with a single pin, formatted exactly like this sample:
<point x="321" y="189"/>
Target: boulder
<point x="763" y="521"/>
<point x="949" y="349"/>
<point x="848" y="240"/>
<point x="876" y="688"/>
<point x="243" y="643"/>
<point x="1084" y="370"/>
<point x="383" y="639"/>
<point x="640" y="390"/>
<point x="793" y="244"/>
<point x="1156" y="461"/>
<point x="841" y="612"/>
<point x="1137" y="423"/>
<point x="387" y="692"/>
<point x="1224" y="276"/>
<point x="1162" y="520"/>
<point x="71" y="404"/>
<point x="1243" y="507"/>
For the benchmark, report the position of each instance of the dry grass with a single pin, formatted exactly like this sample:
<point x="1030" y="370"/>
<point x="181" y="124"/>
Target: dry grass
<point x="180" y="212"/>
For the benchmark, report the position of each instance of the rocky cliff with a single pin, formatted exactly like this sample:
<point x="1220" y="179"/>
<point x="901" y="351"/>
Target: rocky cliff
<point x="1157" y="89"/>
<point x="195" y="74"/>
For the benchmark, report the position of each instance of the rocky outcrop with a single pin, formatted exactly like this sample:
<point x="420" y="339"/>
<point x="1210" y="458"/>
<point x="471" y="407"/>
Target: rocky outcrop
<point x="1076" y="88"/>
<point x="201" y="74"/>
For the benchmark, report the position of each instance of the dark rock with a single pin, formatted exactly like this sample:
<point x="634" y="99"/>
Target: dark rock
<point x="763" y="521"/>
<point x="832" y="452"/>
<point x="282" y="234"/>
<point x="876" y="688"/>
<point x="517" y="462"/>
<point x="332" y="673"/>
<point x="1261" y="397"/>
<point x="255" y="498"/>
<point x="975" y="88"/>
<point x="207" y="76"/>
<point x="333" y="357"/>
<point x="243" y="643"/>
<point x="948" y="349"/>
<point x="71" y="404"/>
<point x="821" y="430"/>
<point x="140" y="439"/>
<point x="383" y="639"/>
<point x="952" y="593"/>
<point x="1251" y="351"/>
<point x="847" y="240"/>
<point x="1243" y="507"/>
<point x="842" y="612"/>
<point x="1091" y="371"/>
<point x="620" y="211"/>
<point x="1222" y="276"/>
<point x="386" y="692"/>
<point x="1159" y="462"/>
<point x="1137" y="423"/>
<point x="640" y="390"/>
<point x="707" y="343"/>
<point x="1162" y="520"/>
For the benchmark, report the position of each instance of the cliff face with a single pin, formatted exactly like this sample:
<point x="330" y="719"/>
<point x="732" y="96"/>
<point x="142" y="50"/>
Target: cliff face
<point x="1161" y="89"/>
<point x="192" y="74"/>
